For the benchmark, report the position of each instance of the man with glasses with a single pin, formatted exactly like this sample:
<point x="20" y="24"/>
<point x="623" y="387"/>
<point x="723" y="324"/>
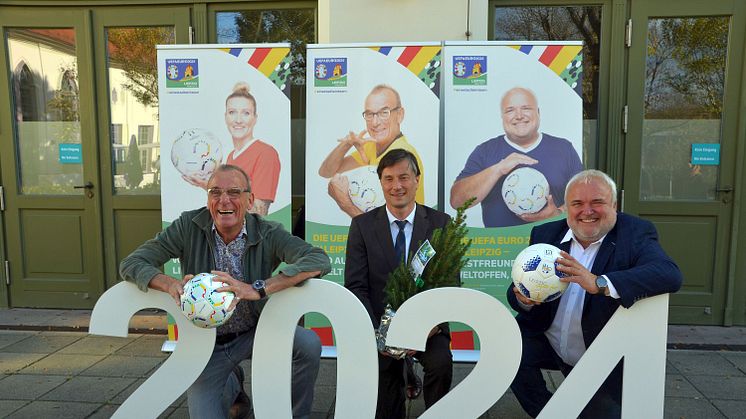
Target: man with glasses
<point x="521" y="145"/>
<point x="243" y="249"/>
<point x="383" y="117"/>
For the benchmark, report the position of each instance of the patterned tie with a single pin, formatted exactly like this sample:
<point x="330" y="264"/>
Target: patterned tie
<point x="400" y="244"/>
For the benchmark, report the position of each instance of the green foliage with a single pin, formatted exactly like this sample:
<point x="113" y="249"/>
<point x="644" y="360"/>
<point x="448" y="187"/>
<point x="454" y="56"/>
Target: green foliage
<point x="444" y="268"/>
<point x="133" y="51"/>
<point x="133" y="167"/>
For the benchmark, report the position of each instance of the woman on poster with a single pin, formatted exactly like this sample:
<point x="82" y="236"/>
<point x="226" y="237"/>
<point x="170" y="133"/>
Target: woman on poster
<point x="259" y="160"/>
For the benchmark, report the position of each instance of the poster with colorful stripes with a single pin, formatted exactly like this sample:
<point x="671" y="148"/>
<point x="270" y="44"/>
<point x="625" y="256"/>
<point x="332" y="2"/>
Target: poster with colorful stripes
<point x="513" y="138"/>
<point x="224" y="104"/>
<point x="398" y="86"/>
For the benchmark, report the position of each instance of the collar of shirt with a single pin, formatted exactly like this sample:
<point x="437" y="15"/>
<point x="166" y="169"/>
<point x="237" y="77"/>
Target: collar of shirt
<point x="408" y="228"/>
<point x="521" y="148"/>
<point x="237" y="153"/>
<point x="243" y="232"/>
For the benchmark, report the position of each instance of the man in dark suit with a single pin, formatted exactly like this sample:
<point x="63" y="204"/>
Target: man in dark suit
<point x="376" y="244"/>
<point x="612" y="259"/>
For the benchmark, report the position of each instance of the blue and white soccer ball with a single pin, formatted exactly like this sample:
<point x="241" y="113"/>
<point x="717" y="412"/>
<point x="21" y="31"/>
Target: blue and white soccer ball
<point x="203" y="305"/>
<point x="525" y="191"/>
<point x="196" y="153"/>
<point x="535" y="273"/>
<point x="365" y="188"/>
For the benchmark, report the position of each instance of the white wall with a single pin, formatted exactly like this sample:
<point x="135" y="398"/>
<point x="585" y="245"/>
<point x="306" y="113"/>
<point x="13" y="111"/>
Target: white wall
<point x="342" y="21"/>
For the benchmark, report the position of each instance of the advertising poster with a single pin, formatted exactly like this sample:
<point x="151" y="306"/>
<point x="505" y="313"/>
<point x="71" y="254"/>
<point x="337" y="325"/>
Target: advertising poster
<point x="224" y="104"/>
<point x="398" y="87"/>
<point x="513" y="138"/>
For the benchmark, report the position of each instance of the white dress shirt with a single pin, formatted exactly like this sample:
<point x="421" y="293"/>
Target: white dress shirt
<point x="566" y="332"/>
<point x="407" y="229"/>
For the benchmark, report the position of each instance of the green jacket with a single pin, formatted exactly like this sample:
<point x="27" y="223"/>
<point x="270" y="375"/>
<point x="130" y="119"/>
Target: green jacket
<point x="190" y="239"/>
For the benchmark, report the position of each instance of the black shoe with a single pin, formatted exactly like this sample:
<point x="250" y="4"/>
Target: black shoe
<point x="241" y="408"/>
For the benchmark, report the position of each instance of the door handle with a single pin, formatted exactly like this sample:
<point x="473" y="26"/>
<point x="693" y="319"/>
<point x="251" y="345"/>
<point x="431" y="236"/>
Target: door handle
<point x="88" y="188"/>
<point x="88" y="185"/>
<point x="724" y="189"/>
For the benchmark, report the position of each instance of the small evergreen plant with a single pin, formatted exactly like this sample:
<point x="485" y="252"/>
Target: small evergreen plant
<point x="444" y="268"/>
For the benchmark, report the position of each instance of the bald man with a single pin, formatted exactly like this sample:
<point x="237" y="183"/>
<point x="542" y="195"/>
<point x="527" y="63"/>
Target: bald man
<point x="383" y="115"/>
<point x="522" y="145"/>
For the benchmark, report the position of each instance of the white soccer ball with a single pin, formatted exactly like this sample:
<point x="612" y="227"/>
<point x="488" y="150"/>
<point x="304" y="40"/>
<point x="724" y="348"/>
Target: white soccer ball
<point x="535" y="273"/>
<point x="203" y="305"/>
<point x="196" y="153"/>
<point x="525" y="191"/>
<point x="365" y="188"/>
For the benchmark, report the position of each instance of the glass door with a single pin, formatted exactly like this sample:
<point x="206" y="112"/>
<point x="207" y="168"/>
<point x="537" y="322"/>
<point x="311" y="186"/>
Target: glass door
<point x="49" y="160"/>
<point x="683" y="85"/>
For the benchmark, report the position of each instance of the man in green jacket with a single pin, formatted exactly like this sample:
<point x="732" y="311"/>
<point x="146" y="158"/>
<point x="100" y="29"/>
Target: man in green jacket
<point x="243" y="249"/>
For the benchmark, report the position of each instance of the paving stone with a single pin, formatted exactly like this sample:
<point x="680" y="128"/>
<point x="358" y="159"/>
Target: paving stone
<point x="124" y="366"/>
<point x="9" y="406"/>
<point x="89" y="389"/>
<point x="145" y="345"/>
<point x="324" y="397"/>
<point x="670" y="368"/>
<point x="736" y="358"/>
<point x="701" y="363"/>
<point x="124" y="395"/>
<point x="96" y="345"/>
<point x="732" y="409"/>
<point x="679" y="386"/>
<point x="44" y="343"/>
<point x="506" y="407"/>
<point x="55" y="409"/>
<point x="179" y="413"/>
<point x="30" y="387"/>
<point x="56" y="364"/>
<point x="678" y="408"/>
<point x="9" y="337"/>
<point x="724" y="388"/>
<point x="11" y="362"/>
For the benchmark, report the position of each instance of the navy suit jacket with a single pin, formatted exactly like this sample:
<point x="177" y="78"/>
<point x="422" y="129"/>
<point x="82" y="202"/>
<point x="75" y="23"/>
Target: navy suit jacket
<point x="370" y="254"/>
<point x="630" y="257"/>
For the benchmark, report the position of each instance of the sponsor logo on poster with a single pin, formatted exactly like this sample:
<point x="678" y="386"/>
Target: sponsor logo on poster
<point x="470" y="70"/>
<point x="182" y="73"/>
<point x="330" y="72"/>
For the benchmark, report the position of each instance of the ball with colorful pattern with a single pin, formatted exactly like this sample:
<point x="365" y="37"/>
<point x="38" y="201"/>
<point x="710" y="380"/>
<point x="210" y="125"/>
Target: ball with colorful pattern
<point x="203" y="305"/>
<point x="525" y="191"/>
<point x="535" y="273"/>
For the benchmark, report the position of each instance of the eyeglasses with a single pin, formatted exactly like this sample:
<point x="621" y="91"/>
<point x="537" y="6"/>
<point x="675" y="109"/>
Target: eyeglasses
<point x="383" y="115"/>
<point x="233" y="193"/>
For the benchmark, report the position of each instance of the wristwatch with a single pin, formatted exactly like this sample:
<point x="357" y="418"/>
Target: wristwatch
<point x="259" y="287"/>
<point x="602" y="284"/>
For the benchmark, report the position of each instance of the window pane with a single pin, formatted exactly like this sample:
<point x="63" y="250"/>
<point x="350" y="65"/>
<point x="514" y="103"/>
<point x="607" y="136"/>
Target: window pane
<point x="133" y="106"/>
<point x="683" y="105"/>
<point x="43" y="68"/>
<point x="296" y="26"/>
<point x="563" y="23"/>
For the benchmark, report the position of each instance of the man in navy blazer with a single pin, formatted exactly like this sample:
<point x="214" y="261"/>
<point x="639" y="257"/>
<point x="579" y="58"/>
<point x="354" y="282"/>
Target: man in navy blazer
<point x="611" y="259"/>
<point x="372" y="255"/>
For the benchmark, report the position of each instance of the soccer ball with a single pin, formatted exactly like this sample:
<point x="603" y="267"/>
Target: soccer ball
<point x="196" y="153"/>
<point x="525" y="191"/>
<point x="365" y="188"/>
<point x="535" y="273"/>
<point x="204" y="306"/>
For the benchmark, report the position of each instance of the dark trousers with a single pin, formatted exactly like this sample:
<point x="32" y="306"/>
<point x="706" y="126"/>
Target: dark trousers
<point x="531" y="391"/>
<point x="437" y="364"/>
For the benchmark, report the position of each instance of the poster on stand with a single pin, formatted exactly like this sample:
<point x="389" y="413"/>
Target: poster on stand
<point x="364" y="100"/>
<point x="513" y="138"/>
<point x="223" y="104"/>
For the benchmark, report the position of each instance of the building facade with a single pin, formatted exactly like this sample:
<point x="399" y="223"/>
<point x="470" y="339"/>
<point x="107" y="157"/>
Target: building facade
<point x="663" y="99"/>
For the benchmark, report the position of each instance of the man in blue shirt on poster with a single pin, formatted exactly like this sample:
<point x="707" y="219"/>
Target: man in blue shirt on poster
<point x="521" y="145"/>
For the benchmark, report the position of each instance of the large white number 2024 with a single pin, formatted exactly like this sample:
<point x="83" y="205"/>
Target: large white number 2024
<point x="357" y="365"/>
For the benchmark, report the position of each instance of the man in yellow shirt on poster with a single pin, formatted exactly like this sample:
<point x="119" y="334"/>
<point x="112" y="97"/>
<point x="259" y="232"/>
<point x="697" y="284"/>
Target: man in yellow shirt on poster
<point x="383" y="116"/>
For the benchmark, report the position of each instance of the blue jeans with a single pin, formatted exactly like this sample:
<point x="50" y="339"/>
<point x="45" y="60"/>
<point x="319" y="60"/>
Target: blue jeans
<point x="214" y="391"/>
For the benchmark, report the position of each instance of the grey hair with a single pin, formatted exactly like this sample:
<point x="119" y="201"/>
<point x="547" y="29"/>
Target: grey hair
<point x="592" y="174"/>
